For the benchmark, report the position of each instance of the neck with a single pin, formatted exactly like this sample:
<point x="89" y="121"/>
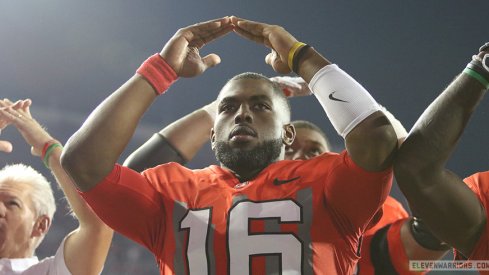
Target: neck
<point x="243" y="176"/>
<point x="27" y="253"/>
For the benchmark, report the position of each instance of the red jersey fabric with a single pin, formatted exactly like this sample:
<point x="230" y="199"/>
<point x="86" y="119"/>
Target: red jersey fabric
<point x="295" y="217"/>
<point x="479" y="184"/>
<point x="392" y="211"/>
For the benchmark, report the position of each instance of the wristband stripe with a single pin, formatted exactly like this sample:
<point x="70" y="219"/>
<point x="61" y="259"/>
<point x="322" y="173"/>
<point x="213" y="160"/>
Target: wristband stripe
<point x="290" y="57"/>
<point x="477" y="76"/>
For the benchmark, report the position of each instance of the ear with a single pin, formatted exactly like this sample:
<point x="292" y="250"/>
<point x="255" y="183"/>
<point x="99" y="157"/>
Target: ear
<point x="213" y="138"/>
<point x="288" y="134"/>
<point x="41" y="226"/>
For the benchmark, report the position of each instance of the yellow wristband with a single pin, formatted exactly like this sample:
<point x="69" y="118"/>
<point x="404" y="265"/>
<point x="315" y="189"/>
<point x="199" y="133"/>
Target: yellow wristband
<point x="292" y="51"/>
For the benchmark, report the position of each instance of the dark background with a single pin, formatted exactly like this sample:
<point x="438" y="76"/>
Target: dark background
<point x="67" y="56"/>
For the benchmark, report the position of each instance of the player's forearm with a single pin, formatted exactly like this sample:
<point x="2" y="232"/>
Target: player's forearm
<point x="310" y="64"/>
<point x="92" y="151"/>
<point x="85" y="251"/>
<point x="415" y="250"/>
<point x="440" y="197"/>
<point x="370" y="138"/>
<point x="435" y="134"/>
<point x="178" y="142"/>
<point x="87" y="247"/>
<point x="189" y="133"/>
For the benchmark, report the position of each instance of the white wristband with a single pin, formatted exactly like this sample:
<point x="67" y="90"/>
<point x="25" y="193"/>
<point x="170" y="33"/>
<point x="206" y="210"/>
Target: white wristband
<point x="344" y="100"/>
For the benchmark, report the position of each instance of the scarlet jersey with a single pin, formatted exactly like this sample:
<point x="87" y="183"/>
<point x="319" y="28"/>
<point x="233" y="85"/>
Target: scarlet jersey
<point x="479" y="184"/>
<point x="387" y="246"/>
<point x="392" y="210"/>
<point x="295" y="217"/>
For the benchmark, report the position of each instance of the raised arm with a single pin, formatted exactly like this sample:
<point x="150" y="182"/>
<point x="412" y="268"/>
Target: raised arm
<point x="92" y="151"/>
<point x="86" y="247"/>
<point x="441" y="199"/>
<point x="370" y="139"/>
<point x="177" y="142"/>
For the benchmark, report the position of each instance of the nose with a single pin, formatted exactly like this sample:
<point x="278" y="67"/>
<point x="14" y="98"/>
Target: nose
<point x="243" y="115"/>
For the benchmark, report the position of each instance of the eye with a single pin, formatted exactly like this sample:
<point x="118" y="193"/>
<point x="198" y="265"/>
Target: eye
<point x="261" y="106"/>
<point x="315" y="152"/>
<point x="13" y="204"/>
<point x="226" y="108"/>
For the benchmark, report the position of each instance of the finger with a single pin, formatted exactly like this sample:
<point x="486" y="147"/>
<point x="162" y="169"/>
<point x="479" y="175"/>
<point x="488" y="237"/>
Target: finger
<point x="17" y="104"/>
<point x="211" y="60"/>
<point x="8" y="101"/>
<point x="269" y="58"/>
<point x="26" y="103"/>
<point x="485" y="61"/>
<point x="5" y="146"/>
<point x="247" y="35"/>
<point x="202" y="38"/>
<point x="280" y="67"/>
<point x="10" y="115"/>
<point x="253" y="27"/>
<point x="212" y="24"/>
<point x="27" y="110"/>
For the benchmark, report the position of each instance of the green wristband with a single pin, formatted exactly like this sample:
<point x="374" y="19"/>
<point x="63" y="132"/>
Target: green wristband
<point x="49" y="151"/>
<point x="477" y="76"/>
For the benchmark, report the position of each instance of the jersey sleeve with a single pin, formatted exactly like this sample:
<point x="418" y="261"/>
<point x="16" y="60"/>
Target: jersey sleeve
<point x="356" y="194"/>
<point x="479" y="184"/>
<point x="127" y="202"/>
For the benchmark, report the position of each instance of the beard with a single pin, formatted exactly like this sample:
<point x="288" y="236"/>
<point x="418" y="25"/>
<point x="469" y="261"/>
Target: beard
<point x="248" y="160"/>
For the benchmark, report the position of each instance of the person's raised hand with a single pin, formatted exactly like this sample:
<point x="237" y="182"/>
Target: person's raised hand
<point x="5" y="145"/>
<point x="18" y="114"/>
<point x="272" y="36"/>
<point x="181" y="52"/>
<point x="292" y="86"/>
<point x="484" y="55"/>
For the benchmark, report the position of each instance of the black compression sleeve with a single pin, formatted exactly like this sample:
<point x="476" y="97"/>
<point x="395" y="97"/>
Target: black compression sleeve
<point x="157" y="150"/>
<point x="379" y="253"/>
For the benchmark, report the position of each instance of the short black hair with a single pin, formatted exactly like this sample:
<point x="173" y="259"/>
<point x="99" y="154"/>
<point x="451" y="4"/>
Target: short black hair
<point x="304" y="124"/>
<point x="276" y="88"/>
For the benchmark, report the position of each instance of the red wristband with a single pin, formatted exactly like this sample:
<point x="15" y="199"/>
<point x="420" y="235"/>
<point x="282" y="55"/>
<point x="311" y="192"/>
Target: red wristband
<point x="158" y="73"/>
<point x="46" y="146"/>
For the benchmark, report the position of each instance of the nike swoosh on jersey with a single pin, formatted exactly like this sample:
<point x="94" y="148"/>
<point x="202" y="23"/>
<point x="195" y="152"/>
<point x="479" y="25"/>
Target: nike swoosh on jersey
<point x="277" y="181"/>
<point x="336" y="99"/>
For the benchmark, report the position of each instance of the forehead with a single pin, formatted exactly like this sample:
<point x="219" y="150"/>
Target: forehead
<point x="247" y="89"/>
<point x="9" y="188"/>
<point x="306" y="135"/>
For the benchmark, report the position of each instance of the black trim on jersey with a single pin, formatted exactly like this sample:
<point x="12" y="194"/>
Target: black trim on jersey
<point x="279" y="255"/>
<point x="157" y="150"/>
<point x="209" y="223"/>
<point x="379" y="253"/>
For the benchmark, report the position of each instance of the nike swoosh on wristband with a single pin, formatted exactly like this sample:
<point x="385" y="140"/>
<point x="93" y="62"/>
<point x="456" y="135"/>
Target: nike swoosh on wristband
<point x="336" y="99"/>
<point x="276" y="181"/>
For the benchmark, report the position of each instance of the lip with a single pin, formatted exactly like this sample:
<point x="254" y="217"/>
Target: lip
<point x="242" y="132"/>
